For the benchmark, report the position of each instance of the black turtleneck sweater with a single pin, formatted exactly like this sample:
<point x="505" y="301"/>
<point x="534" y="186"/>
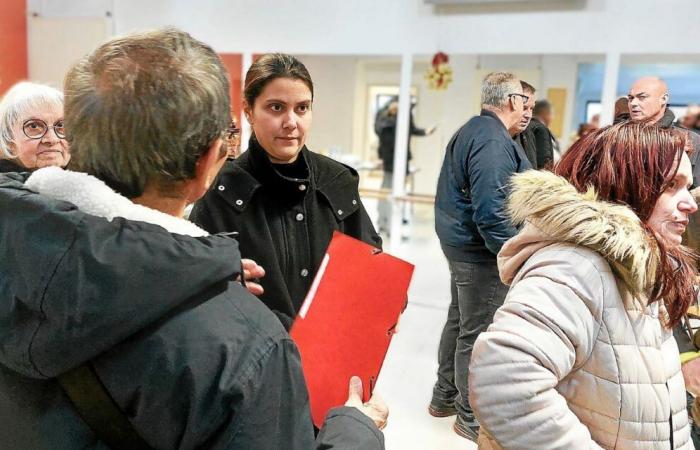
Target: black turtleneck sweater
<point x="285" y="215"/>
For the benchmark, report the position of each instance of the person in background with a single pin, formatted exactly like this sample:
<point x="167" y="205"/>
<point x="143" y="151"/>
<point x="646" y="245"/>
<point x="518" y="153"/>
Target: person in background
<point x="124" y="326"/>
<point x="385" y="127"/>
<point x="522" y="135"/>
<point x="545" y="142"/>
<point x="690" y="119"/>
<point x="472" y="225"/>
<point x="621" y="112"/>
<point x="282" y="199"/>
<point x="32" y="134"/>
<point x="581" y="354"/>
<point x="233" y="139"/>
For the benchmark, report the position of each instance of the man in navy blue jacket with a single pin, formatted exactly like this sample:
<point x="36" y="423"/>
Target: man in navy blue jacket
<point x="472" y="225"/>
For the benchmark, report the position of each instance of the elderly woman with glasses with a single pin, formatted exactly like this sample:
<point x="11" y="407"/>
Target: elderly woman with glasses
<point x="32" y="134"/>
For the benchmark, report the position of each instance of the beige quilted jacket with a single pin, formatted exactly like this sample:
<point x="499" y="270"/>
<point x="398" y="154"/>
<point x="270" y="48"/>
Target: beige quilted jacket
<point x="575" y="359"/>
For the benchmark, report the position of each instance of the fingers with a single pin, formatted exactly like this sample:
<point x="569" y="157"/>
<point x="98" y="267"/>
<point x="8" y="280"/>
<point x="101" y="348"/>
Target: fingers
<point x="354" y="392"/>
<point x="254" y="288"/>
<point x="251" y="269"/>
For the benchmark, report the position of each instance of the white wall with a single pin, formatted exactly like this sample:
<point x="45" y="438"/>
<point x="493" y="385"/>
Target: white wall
<point x="397" y="26"/>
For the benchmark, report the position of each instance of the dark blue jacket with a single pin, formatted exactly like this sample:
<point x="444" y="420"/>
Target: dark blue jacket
<point x="470" y="217"/>
<point x="190" y="357"/>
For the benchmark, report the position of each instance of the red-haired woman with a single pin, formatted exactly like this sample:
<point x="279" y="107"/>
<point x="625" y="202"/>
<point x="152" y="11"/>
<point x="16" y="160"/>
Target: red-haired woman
<point x="581" y="355"/>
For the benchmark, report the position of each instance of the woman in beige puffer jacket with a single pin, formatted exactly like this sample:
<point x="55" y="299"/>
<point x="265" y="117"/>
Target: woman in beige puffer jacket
<point x="581" y="354"/>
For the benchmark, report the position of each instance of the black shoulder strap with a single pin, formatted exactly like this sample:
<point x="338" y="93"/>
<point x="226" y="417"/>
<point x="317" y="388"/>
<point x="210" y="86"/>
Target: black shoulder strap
<point x="99" y="411"/>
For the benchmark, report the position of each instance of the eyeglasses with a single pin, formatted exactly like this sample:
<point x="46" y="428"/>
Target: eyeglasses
<point x="37" y="129"/>
<point x="523" y="96"/>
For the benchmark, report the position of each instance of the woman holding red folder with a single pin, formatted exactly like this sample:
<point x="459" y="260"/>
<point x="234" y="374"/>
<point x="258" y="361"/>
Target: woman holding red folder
<point x="284" y="200"/>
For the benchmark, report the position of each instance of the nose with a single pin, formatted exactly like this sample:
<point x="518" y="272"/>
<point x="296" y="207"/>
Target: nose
<point x="50" y="137"/>
<point x="290" y="120"/>
<point x="688" y="205"/>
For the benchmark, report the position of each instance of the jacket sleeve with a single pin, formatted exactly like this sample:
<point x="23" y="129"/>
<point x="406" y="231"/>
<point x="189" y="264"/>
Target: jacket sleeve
<point x="368" y="234"/>
<point x="278" y="414"/>
<point x="542" y="333"/>
<point x="112" y="280"/>
<point x="490" y="167"/>
<point x="348" y="428"/>
<point x="543" y="146"/>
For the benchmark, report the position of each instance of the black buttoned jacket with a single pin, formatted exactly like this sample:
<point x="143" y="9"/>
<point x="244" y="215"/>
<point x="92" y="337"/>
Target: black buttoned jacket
<point x="285" y="224"/>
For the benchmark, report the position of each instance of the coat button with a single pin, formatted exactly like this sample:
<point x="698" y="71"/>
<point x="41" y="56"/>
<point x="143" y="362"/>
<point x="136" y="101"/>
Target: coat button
<point x="239" y="202"/>
<point x="300" y="217"/>
<point x="302" y="187"/>
<point x="354" y="202"/>
<point x="221" y="187"/>
<point x="304" y="273"/>
<point x="340" y="212"/>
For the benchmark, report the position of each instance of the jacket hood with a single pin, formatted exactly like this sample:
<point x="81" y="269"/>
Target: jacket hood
<point x="74" y="284"/>
<point x="553" y="211"/>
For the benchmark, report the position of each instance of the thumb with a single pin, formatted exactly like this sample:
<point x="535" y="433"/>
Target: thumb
<point x="355" y="390"/>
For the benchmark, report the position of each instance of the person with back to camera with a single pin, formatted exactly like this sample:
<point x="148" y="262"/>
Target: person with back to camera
<point x="282" y="199"/>
<point x="32" y="134"/>
<point x="107" y="288"/>
<point x="582" y="355"/>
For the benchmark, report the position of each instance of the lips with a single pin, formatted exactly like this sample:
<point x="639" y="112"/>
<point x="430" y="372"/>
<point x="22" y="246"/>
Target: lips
<point x="679" y="226"/>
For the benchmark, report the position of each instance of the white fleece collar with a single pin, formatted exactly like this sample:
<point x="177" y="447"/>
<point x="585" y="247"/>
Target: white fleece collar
<point x="94" y="197"/>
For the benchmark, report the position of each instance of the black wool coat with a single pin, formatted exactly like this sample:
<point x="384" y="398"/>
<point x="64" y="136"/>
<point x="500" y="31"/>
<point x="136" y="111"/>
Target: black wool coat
<point x="285" y="224"/>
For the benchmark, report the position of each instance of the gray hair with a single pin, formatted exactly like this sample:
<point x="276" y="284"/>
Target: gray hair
<point x="144" y="107"/>
<point x="18" y="104"/>
<point x="496" y="87"/>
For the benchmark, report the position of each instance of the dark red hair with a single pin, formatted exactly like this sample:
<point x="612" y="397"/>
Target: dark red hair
<point x="632" y="164"/>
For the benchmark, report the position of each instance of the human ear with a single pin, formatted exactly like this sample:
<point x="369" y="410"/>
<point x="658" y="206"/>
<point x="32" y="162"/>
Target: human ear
<point x="248" y="112"/>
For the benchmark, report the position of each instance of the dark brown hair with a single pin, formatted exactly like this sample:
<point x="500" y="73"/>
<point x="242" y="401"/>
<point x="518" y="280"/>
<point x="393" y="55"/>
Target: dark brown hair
<point x="270" y="67"/>
<point x="633" y="164"/>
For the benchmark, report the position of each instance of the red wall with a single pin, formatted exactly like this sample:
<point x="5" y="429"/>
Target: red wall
<point x="13" y="43"/>
<point x="234" y="65"/>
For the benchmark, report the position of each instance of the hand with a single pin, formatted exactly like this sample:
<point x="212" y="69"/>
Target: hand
<point x="375" y="408"/>
<point x="252" y="271"/>
<point x="691" y="375"/>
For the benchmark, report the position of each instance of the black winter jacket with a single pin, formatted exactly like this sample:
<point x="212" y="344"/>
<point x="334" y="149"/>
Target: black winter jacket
<point x="470" y="217"/>
<point x="188" y="355"/>
<point x="8" y="165"/>
<point x="544" y="143"/>
<point x="387" y="139"/>
<point x="526" y="141"/>
<point x="285" y="224"/>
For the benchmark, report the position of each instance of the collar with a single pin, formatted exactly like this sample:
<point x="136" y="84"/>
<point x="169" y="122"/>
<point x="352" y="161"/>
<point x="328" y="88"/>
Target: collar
<point x="555" y="212"/>
<point x="667" y="120"/>
<point x="491" y="114"/>
<point x="94" y="197"/>
<point x="9" y="165"/>
<point x="243" y="177"/>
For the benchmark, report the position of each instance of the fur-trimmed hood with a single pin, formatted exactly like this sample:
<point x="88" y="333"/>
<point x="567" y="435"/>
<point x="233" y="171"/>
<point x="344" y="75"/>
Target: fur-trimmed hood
<point x="553" y="211"/>
<point x="94" y="197"/>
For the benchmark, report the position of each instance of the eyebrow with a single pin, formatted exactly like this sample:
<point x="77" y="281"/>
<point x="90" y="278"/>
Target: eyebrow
<point x="277" y="100"/>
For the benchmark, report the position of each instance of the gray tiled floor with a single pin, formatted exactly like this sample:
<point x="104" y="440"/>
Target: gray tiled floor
<point x="408" y="373"/>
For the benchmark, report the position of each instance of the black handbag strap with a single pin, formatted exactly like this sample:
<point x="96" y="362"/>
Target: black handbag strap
<point x="99" y="410"/>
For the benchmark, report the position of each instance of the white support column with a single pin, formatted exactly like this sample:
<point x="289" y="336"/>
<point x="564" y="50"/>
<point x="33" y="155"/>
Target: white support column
<point x="612" y="70"/>
<point x="245" y="129"/>
<point x="402" y="126"/>
<point x="401" y="149"/>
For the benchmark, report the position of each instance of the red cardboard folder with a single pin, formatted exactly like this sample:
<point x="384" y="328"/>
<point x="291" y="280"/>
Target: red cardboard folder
<point x="347" y="320"/>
